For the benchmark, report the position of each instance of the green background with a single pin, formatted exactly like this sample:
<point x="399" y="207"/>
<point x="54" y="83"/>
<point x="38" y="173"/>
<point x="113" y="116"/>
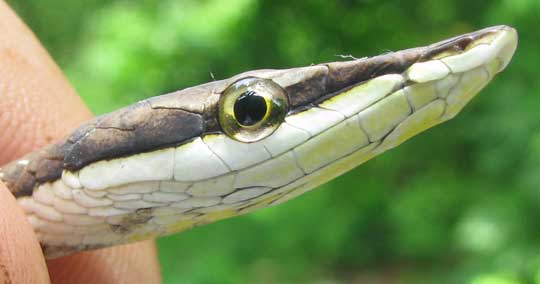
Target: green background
<point x="457" y="204"/>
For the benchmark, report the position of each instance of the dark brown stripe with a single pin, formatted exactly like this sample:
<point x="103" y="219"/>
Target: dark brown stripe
<point x="137" y="128"/>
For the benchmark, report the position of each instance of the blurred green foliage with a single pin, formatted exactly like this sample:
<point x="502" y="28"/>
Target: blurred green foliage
<point x="458" y="204"/>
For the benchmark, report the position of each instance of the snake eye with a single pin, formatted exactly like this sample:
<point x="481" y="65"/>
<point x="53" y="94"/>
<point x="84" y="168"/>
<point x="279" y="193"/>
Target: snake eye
<point x="252" y="108"/>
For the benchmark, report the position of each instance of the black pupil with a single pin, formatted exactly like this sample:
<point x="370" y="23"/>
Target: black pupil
<point x="249" y="108"/>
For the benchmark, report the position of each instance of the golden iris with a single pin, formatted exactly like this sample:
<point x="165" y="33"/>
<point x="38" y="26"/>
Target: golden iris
<point x="252" y="108"/>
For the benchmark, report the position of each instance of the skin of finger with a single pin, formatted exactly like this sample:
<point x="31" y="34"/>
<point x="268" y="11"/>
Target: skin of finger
<point x="21" y="260"/>
<point x="116" y="265"/>
<point x="38" y="106"/>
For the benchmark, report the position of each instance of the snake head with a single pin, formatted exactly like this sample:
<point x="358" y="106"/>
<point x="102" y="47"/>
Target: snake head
<point x="258" y="139"/>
